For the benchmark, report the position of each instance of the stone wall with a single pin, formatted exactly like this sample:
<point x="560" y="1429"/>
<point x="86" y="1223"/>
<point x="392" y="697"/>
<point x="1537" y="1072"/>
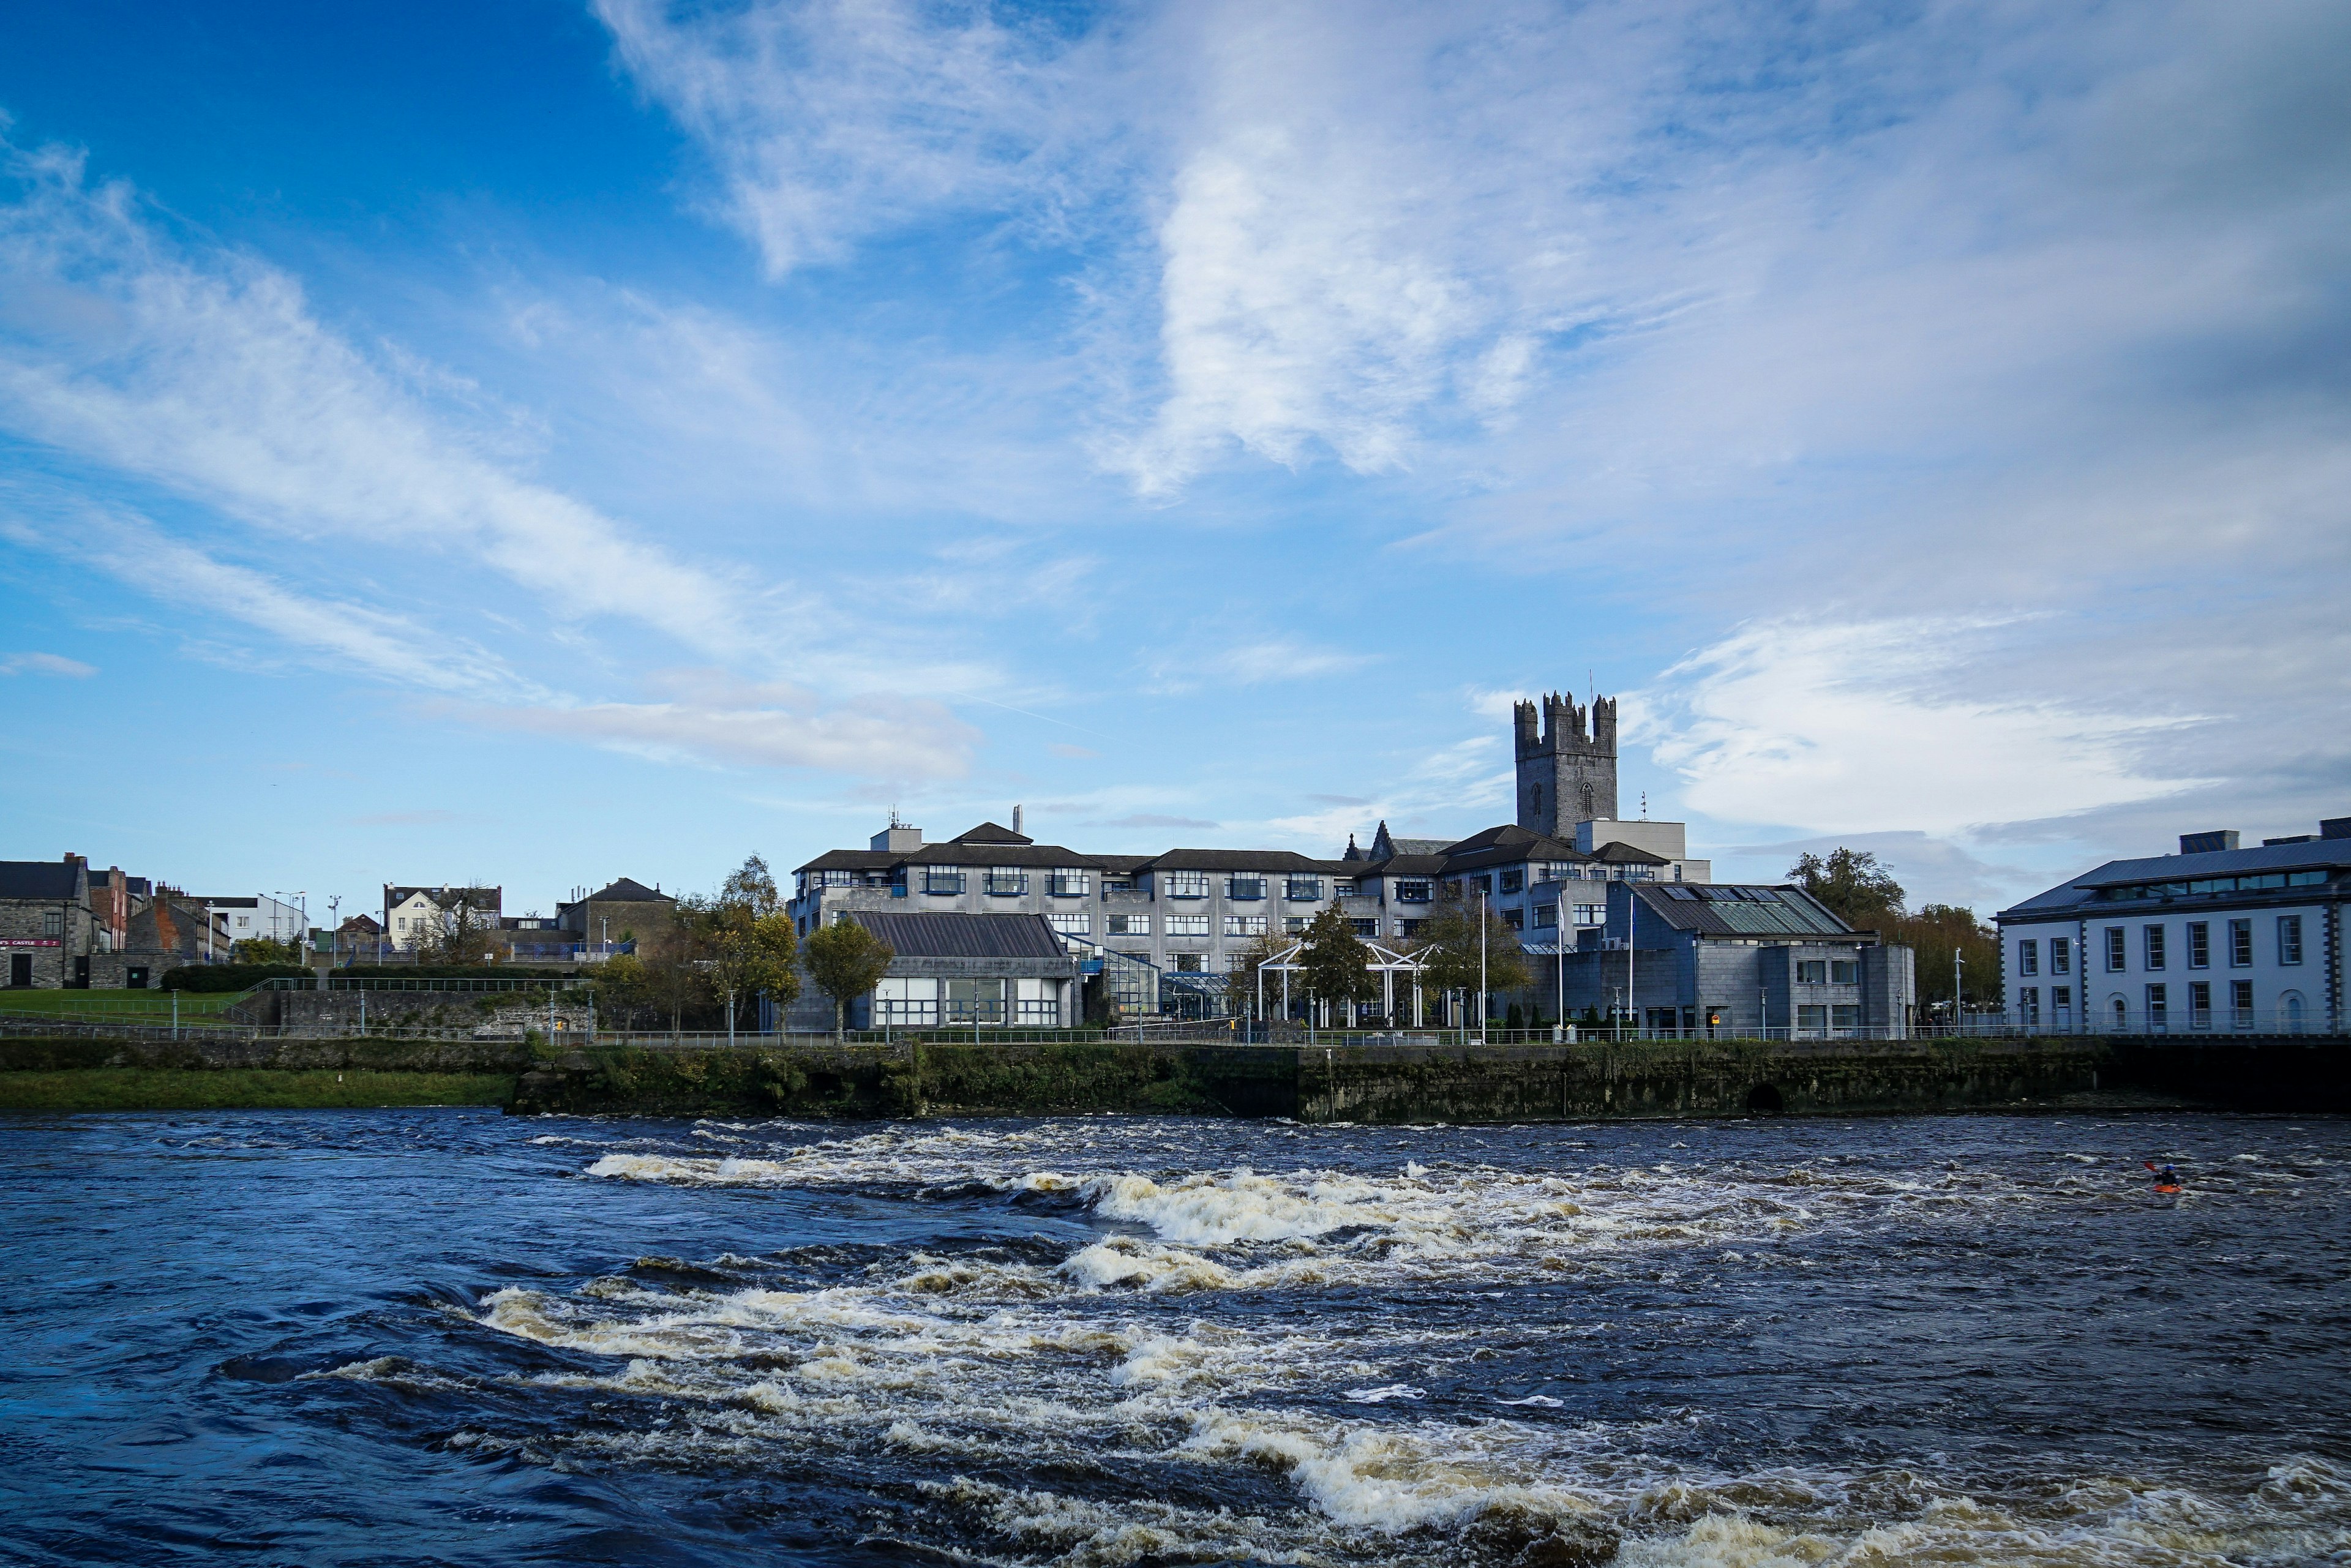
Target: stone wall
<point x="476" y="1015"/>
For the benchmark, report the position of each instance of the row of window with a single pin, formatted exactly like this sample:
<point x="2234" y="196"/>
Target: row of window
<point x="1828" y="971"/>
<point x="2155" y="947"/>
<point x="2240" y="995"/>
<point x="2251" y="882"/>
<point x="1139" y="924"/>
<point x="915" y="1002"/>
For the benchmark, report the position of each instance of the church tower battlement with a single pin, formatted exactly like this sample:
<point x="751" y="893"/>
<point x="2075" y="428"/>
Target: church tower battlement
<point x="1567" y="772"/>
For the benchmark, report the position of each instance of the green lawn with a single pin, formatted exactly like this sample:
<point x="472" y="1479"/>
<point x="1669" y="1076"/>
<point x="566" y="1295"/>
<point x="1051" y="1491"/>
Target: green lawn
<point x="145" y="1005"/>
<point x="245" y="1088"/>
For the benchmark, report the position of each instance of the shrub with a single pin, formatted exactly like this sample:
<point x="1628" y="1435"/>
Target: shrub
<point x="226" y="976"/>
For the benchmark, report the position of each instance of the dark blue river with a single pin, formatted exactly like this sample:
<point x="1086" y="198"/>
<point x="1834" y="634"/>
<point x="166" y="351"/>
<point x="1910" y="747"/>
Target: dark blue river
<point x="452" y="1337"/>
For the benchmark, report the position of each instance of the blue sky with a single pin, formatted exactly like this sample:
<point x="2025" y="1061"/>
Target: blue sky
<point x="544" y="442"/>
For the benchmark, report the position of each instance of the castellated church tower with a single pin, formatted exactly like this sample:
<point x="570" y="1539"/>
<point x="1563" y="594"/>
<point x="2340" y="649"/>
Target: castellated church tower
<point x="1565" y="776"/>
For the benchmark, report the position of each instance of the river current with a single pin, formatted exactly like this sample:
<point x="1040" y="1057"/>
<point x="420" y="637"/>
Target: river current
<point x="453" y="1337"/>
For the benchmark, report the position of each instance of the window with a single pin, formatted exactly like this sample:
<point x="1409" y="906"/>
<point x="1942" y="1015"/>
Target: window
<point x="1117" y="883"/>
<point x="2289" y="938"/>
<point x="1813" y="1018"/>
<point x="1410" y="928"/>
<point x="2157" y="1012"/>
<point x="2061" y="998"/>
<point x="1516" y="919"/>
<point x="1244" y="925"/>
<point x="2118" y="952"/>
<point x="1483" y="882"/>
<point x="2240" y="1004"/>
<point x="1295" y="924"/>
<point x="1365" y="927"/>
<point x="2028" y="957"/>
<point x="2154" y="935"/>
<point x="1067" y="885"/>
<point x="975" y="1001"/>
<point x="1037" y="1003"/>
<point x="1343" y="887"/>
<point x="1008" y="883"/>
<point x="2060" y="956"/>
<point x="1188" y="925"/>
<point x="1409" y="889"/>
<point x="1845" y="971"/>
<point x="2028" y="1003"/>
<point x="943" y="881"/>
<point x="2200" y="945"/>
<point x="1303" y="890"/>
<point x="52" y="922"/>
<point x="1130" y="925"/>
<point x="1187" y="963"/>
<point x="1546" y="914"/>
<point x="1183" y="884"/>
<point x="2200" y="1004"/>
<point x="1811" y="971"/>
<point x="1079" y="925"/>
<point x="1244" y="888"/>
<point x="1514" y="880"/>
<point x="1591" y="914"/>
<point x="1844" y="1015"/>
<point x="2241" y="943"/>
<point x="901" y="1003"/>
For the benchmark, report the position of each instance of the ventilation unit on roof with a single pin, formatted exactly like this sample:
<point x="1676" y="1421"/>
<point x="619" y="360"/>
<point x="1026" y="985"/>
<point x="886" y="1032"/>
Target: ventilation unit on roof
<point x="2207" y="843"/>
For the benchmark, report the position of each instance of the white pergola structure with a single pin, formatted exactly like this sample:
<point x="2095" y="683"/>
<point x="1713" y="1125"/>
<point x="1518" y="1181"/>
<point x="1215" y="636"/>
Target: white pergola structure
<point x="1385" y="961"/>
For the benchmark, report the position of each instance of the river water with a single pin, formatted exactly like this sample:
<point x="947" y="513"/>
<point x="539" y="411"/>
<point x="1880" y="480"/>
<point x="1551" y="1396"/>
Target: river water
<point x="449" y="1336"/>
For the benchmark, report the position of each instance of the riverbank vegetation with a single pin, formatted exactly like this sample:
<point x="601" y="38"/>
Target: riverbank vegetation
<point x="244" y="1088"/>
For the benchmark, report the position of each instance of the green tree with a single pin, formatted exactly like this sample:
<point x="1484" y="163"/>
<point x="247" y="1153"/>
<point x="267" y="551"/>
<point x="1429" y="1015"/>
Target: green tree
<point x="1450" y="949"/>
<point x="467" y="932"/>
<point x="846" y="961"/>
<point x="1855" y="887"/>
<point x="1240" y="979"/>
<point x="746" y="942"/>
<point x="1333" y="959"/>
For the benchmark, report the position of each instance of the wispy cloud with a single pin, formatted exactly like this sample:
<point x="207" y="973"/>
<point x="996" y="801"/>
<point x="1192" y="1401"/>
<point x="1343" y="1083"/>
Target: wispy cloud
<point x="1151" y="820"/>
<point x="709" y="717"/>
<point x="45" y="664"/>
<point x="206" y="371"/>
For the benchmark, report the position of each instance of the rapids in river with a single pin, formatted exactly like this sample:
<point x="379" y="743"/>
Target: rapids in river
<point x="452" y="1337"/>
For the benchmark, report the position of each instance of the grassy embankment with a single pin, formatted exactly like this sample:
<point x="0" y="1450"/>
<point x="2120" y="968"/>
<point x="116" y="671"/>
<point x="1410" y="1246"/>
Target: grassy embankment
<point x="45" y="1084"/>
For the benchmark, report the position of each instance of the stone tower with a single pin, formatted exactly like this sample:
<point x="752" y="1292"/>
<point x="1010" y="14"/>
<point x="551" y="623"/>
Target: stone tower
<point x="1565" y="776"/>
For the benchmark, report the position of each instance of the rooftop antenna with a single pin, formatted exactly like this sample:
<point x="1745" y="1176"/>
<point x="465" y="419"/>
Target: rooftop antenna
<point x="1644" y="805"/>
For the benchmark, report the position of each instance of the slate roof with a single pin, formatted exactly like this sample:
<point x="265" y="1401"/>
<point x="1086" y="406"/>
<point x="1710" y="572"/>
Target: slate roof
<point x="1251" y="860"/>
<point x="629" y="890"/>
<point x="984" y="852"/>
<point x="49" y="880"/>
<point x="1737" y="909"/>
<point x="965" y="936"/>
<point x="2312" y="854"/>
<point x="990" y="833"/>
<point x="852" y="860"/>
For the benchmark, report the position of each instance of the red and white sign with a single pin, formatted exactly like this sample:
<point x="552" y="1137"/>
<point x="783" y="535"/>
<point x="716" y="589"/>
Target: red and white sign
<point x="32" y="942"/>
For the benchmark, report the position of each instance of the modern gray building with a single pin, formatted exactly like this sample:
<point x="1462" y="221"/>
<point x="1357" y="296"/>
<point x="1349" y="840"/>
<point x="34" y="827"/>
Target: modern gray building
<point x="2216" y="938"/>
<point x="1717" y="959"/>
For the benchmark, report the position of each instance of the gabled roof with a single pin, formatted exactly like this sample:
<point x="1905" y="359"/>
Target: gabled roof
<point x="990" y="833"/>
<point x="852" y="860"/>
<point x="53" y="880"/>
<point x="1618" y="853"/>
<point x="1735" y="909"/>
<point x="983" y="853"/>
<point x="1404" y="865"/>
<point x="446" y="897"/>
<point x="965" y="936"/>
<point x="629" y="890"/>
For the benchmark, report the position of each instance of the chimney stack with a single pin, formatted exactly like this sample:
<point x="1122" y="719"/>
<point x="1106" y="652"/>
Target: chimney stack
<point x="1015" y="819"/>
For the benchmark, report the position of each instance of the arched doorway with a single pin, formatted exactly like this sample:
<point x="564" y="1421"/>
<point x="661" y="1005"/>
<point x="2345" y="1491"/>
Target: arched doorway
<point x="1764" y="1099"/>
<point x="2291" y="1013"/>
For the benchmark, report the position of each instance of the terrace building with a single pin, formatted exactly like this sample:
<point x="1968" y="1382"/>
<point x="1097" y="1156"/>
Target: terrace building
<point x="2216" y="938"/>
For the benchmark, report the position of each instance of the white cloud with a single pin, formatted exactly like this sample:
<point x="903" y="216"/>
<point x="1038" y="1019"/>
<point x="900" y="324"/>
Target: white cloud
<point x="710" y="718"/>
<point x="1875" y="727"/>
<point x="833" y="120"/>
<point x="207" y="373"/>
<point x="393" y="647"/>
<point x="45" y="664"/>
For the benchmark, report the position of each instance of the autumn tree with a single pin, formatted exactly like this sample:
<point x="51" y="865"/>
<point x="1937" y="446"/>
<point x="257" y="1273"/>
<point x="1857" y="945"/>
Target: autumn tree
<point x="467" y="932"/>
<point x="846" y="961"/>
<point x="1241" y="977"/>
<point x="1934" y="932"/>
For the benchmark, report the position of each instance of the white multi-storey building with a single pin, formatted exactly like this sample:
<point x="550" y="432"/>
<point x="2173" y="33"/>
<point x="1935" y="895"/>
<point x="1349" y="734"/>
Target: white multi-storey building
<point x="2215" y="938"/>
